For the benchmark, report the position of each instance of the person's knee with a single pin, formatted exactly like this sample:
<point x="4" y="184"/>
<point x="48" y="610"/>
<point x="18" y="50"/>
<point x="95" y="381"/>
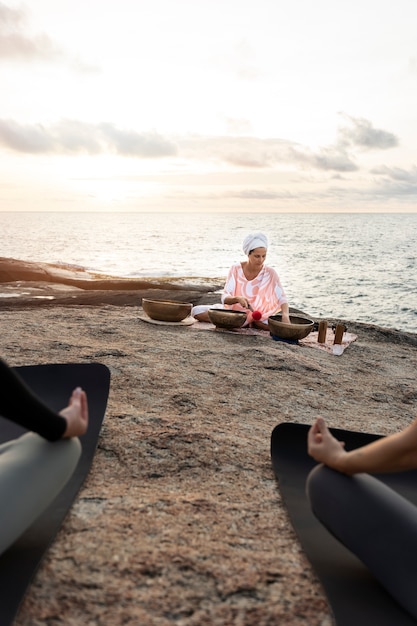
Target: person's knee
<point x="316" y="483"/>
<point x="72" y="450"/>
<point x="328" y="491"/>
<point x="63" y="456"/>
<point x="34" y="445"/>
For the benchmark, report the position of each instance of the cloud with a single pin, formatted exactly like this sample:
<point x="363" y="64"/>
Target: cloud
<point x="396" y="181"/>
<point x="73" y="137"/>
<point x="18" y="45"/>
<point x="331" y="158"/>
<point x="341" y="155"/>
<point x="241" y="155"/>
<point x="15" y="44"/>
<point x="247" y="152"/>
<point x="12" y="17"/>
<point x="241" y="152"/>
<point x="261" y="153"/>
<point x="132" y="143"/>
<point x="30" y="139"/>
<point x="397" y="173"/>
<point x="361" y="133"/>
<point x="259" y="194"/>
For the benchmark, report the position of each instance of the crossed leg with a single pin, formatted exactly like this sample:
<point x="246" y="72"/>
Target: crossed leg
<point x="32" y="473"/>
<point x="374" y="522"/>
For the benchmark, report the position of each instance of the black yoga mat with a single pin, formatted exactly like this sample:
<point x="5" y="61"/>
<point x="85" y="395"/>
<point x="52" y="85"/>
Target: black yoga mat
<point x="53" y="384"/>
<point x="355" y="596"/>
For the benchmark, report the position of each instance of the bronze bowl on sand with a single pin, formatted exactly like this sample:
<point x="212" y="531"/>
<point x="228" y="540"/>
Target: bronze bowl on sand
<point x="227" y="318"/>
<point x="166" y="310"/>
<point x="299" y="328"/>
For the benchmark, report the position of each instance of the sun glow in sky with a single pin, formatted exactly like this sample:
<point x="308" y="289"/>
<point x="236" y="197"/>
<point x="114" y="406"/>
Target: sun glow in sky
<point x="208" y="105"/>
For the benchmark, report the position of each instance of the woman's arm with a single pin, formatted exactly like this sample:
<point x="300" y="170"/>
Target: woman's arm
<point x="285" y="312"/>
<point x="230" y="291"/>
<point x="394" y="453"/>
<point x="236" y="300"/>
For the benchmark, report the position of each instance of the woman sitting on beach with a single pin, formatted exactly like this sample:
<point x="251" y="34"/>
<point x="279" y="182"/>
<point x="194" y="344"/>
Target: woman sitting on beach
<point x="251" y="286"/>
<point x="369" y="518"/>
<point x="36" y="466"/>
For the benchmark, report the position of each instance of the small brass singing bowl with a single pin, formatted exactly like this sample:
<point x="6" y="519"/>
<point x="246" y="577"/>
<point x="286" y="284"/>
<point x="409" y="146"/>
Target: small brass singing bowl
<point x="166" y="310"/>
<point x="227" y="318"/>
<point x="299" y="328"/>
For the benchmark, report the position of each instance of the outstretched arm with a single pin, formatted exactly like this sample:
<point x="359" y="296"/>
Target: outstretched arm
<point x="394" y="453"/>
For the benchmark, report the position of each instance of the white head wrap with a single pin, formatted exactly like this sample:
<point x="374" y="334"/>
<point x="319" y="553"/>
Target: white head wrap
<point x="254" y="240"/>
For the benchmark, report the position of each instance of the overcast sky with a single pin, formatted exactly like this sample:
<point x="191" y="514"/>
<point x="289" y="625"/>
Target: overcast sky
<point x="208" y="105"/>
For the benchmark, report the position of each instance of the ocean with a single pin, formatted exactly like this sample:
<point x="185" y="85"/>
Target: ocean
<point x="348" y="266"/>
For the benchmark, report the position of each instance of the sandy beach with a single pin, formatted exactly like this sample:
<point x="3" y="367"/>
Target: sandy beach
<point x="180" y="520"/>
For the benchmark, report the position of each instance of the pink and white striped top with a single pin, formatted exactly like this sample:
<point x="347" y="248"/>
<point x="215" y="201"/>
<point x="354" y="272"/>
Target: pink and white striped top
<point x="264" y="293"/>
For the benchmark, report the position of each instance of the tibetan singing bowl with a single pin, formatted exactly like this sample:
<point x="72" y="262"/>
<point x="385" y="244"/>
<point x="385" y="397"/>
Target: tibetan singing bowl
<point x="299" y="328"/>
<point x="166" y="310"/>
<point x="227" y="318"/>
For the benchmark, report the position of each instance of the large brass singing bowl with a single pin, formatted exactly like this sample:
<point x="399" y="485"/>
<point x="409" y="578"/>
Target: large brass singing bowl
<point x="299" y="328"/>
<point x="227" y="318"/>
<point x="166" y="310"/>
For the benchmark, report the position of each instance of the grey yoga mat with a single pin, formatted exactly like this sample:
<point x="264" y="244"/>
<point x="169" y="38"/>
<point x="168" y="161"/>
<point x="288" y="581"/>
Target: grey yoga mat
<point x="354" y="595"/>
<point x="52" y="383"/>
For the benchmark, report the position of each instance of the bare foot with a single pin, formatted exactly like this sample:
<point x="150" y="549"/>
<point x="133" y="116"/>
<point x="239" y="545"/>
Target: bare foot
<point x="76" y="414"/>
<point x="260" y="325"/>
<point x="202" y="317"/>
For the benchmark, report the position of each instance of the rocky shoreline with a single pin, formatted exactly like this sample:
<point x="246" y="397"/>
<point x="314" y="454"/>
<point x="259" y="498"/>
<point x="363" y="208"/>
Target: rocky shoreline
<point x="26" y="284"/>
<point x="180" y="521"/>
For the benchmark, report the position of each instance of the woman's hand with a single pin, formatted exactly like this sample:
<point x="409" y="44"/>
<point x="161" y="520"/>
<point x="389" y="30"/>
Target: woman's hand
<point x="325" y="448"/>
<point x="243" y="302"/>
<point x="76" y="414"/>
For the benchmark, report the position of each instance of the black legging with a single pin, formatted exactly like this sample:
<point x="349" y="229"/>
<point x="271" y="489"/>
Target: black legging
<point x="375" y="523"/>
